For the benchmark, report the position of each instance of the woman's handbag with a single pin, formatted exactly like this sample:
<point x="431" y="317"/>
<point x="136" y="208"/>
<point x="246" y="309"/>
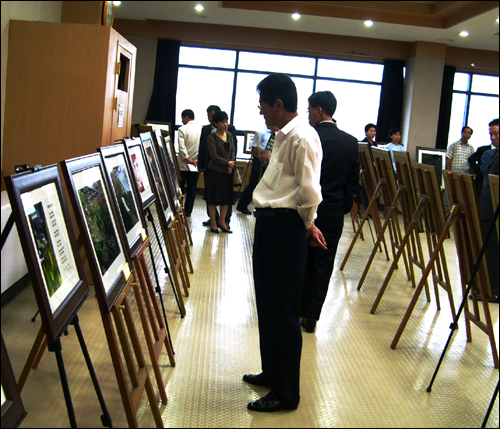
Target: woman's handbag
<point x="236" y="178"/>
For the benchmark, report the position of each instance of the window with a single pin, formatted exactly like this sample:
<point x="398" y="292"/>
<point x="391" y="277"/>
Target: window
<point x="475" y="104"/>
<point x="229" y="79"/>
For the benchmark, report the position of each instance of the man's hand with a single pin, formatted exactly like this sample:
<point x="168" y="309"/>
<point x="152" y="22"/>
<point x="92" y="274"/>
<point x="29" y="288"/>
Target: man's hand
<point x="315" y="237"/>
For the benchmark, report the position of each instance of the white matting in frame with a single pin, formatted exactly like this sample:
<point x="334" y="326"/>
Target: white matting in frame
<point x="89" y="184"/>
<point x="49" y="235"/>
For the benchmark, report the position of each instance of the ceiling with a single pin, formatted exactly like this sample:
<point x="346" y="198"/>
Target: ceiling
<point x="428" y="21"/>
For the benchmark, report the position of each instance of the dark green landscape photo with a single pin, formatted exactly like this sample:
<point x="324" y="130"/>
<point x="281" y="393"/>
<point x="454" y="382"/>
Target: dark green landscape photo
<point x="100" y="224"/>
<point x="45" y="249"/>
<point x="124" y="196"/>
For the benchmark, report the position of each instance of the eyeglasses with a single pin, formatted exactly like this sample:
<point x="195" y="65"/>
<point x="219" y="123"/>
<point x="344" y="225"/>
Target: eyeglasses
<point x="259" y="106"/>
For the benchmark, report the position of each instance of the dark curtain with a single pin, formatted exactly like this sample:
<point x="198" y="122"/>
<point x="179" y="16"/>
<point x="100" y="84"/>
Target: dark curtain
<point x="391" y="99"/>
<point x="445" y="107"/>
<point x="162" y="104"/>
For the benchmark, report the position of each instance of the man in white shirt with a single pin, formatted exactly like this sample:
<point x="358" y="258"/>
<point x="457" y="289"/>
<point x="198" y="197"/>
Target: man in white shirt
<point x="286" y="200"/>
<point x="189" y="141"/>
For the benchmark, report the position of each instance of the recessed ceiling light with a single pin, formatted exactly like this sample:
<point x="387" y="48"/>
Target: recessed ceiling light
<point x="199" y="7"/>
<point x="464" y="33"/>
<point x="296" y="16"/>
<point x="117" y="3"/>
<point x="496" y="20"/>
<point x="368" y="23"/>
<point x="472" y="64"/>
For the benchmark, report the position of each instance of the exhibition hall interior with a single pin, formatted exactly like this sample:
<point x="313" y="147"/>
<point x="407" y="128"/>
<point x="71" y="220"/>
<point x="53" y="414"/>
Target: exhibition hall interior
<point x="250" y="214"/>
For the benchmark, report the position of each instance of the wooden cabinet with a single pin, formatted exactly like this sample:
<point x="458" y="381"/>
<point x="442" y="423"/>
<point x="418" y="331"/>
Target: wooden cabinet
<point x="69" y="91"/>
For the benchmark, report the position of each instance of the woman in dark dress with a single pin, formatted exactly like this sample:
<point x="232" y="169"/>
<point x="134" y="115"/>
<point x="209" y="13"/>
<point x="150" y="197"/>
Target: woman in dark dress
<point x="219" y="182"/>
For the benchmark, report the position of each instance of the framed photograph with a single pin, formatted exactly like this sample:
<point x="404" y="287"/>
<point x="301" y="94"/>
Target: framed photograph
<point x="160" y="186"/>
<point x="435" y="157"/>
<point x="125" y="197"/>
<point x="49" y="245"/>
<point x="385" y="169"/>
<point x="168" y="169"/>
<point x="249" y="142"/>
<point x="13" y="412"/>
<point x="137" y="158"/>
<point x="98" y="222"/>
<point x="366" y="163"/>
<point x="170" y="147"/>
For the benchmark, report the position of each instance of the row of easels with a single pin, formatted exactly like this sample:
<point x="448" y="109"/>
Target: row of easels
<point x="417" y="196"/>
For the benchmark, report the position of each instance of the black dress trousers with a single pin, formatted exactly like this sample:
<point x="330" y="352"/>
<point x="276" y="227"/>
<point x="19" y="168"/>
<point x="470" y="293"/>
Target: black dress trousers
<point x="279" y="257"/>
<point x="319" y="265"/>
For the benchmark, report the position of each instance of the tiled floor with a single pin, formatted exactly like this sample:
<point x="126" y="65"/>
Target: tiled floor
<point x="350" y="377"/>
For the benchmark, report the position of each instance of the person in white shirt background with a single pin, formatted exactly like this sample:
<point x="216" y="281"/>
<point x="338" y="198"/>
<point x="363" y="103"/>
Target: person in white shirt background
<point x="189" y="142"/>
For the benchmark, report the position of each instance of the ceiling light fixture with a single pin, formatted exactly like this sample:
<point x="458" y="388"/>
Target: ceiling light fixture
<point x="473" y="65"/>
<point x="117" y="3"/>
<point x="199" y="7"/>
<point x="464" y="33"/>
<point x="296" y="16"/>
<point x="368" y="23"/>
<point x="496" y="20"/>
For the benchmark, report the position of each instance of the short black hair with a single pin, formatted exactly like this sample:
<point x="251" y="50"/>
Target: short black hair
<point x="493" y="123"/>
<point x="279" y="86"/>
<point x="212" y="108"/>
<point x="368" y="126"/>
<point x="471" y="131"/>
<point x="324" y="99"/>
<point x="188" y="112"/>
<point x="219" y="116"/>
<point x="393" y="131"/>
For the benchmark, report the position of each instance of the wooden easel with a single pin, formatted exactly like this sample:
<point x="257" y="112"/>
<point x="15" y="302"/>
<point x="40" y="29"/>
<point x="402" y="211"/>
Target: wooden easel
<point x="139" y="379"/>
<point x="156" y="322"/>
<point x="177" y="268"/>
<point x="367" y="176"/>
<point x="182" y="243"/>
<point x="468" y="240"/>
<point x="430" y="207"/>
<point x="184" y="222"/>
<point x="386" y="179"/>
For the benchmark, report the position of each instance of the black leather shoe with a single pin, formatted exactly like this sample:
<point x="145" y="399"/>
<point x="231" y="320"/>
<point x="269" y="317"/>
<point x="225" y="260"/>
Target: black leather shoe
<point x="228" y="231"/>
<point x="309" y="324"/>
<point x="206" y="223"/>
<point x="244" y="211"/>
<point x="270" y="403"/>
<point x="256" y="379"/>
<point x="216" y="231"/>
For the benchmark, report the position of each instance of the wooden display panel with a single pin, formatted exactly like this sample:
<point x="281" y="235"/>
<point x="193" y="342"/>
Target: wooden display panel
<point x="62" y="90"/>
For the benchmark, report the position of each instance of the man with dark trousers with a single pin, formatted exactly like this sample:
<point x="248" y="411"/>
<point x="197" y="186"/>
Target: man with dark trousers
<point x="339" y="182"/>
<point x="204" y="156"/>
<point x="487" y="212"/>
<point x="285" y="201"/>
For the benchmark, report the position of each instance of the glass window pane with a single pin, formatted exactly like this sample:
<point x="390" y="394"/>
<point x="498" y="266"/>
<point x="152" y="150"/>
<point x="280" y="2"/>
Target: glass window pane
<point x="350" y="70"/>
<point x="199" y="88"/>
<point x="207" y="57"/>
<point x="273" y="63"/>
<point x="485" y="84"/>
<point x="461" y="82"/>
<point x="357" y="105"/>
<point x="457" y="118"/>
<point x="304" y="91"/>
<point x="247" y="116"/>
<point x="482" y="111"/>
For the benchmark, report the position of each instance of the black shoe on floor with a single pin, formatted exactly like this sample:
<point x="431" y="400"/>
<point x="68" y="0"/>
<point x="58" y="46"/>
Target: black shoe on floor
<point x="270" y="403"/>
<point x="206" y="223"/>
<point x="256" y="379"/>
<point x="309" y="324"/>
<point x="244" y="210"/>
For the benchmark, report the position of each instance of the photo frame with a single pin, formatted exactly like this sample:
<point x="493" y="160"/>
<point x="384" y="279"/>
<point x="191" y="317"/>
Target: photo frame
<point x="49" y="245"/>
<point x="160" y="188"/>
<point x="170" y="147"/>
<point x="13" y="412"/>
<point x="143" y="180"/>
<point x="99" y="223"/>
<point x="249" y="142"/>
<point x="435" y="157"/>
<point x="168" y="170"/>
<point x="127" y="202"/>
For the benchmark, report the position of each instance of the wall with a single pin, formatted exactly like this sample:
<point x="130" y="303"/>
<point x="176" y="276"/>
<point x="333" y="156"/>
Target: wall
<point x="23" y="10"/>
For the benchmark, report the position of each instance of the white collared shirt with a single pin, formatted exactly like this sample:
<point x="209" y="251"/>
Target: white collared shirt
<point x="292" y="178"/>
<point x="189" y="142"/>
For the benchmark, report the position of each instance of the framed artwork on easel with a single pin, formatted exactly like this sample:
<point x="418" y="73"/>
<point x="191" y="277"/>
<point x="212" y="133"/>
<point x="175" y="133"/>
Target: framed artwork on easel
<point x="161" y="189"/>
<point x="49" y="245"/>
<point x="168" y="170"/>
<point x="168" y="145"/>
<point x="137" y="158"/>
<point x="97" y="220"/>
<point x="435" y="157"/>
<point x="121" y="180"/>
<point x="13" y="412"/>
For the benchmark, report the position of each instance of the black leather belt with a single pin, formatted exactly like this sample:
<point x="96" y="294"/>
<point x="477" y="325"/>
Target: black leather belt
<point x="269" y="212"/>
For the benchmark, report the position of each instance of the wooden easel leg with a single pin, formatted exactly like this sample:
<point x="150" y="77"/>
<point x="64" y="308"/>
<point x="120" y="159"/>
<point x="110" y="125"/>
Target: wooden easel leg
<point x="40" y="338"/>
<point x="420" y="286"/>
